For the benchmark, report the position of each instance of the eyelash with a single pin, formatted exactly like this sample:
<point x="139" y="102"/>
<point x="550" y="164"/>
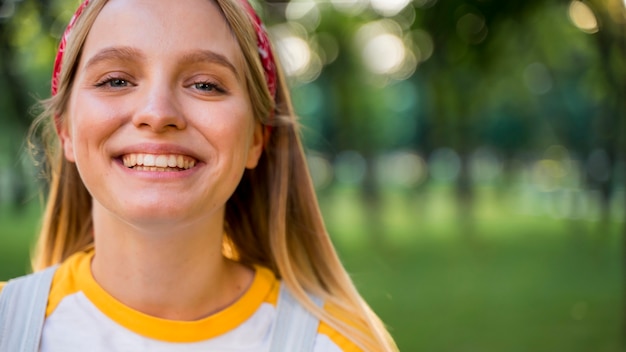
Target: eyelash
<point x="110" y="80"/>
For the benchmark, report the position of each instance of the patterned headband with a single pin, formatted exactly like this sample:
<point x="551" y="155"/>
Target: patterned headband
<point x="263" y="43"/>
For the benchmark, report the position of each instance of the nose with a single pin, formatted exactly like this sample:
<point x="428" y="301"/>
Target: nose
<point x="159" y="110"/>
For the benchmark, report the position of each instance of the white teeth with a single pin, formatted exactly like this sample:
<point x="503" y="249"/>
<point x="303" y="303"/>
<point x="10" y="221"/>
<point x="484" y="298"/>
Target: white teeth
<point x="171" y="161"/>
<point x="158" y="163"/>
<point x="161" y="161"/>
<point x="148" y="160"/>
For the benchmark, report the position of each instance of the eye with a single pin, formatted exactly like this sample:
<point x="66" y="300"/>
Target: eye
<point x="118" y="82"/>
<point x="208" y="87"/>
<point x="113" y="82"/>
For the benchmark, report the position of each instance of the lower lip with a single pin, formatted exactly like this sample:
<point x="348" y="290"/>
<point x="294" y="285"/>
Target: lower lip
<point x="158" y="175"/>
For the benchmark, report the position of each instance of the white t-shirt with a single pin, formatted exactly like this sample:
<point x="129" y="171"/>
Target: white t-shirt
<point x="81" y="317"/>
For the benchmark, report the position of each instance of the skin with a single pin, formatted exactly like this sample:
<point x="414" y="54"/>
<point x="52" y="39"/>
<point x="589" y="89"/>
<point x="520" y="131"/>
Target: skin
<point x="171" y="85"/>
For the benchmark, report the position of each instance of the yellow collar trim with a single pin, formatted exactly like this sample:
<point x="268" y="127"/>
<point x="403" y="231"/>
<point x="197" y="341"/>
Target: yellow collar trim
<point x="178" y="331"/>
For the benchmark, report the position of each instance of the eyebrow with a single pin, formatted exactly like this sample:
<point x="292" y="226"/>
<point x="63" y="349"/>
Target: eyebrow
<point x="131" y="54"/>
<point x="210" y="57"/>
<point x="116" y="53"/>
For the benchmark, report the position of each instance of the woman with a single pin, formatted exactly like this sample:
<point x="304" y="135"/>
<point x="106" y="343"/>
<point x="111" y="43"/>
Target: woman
<point x="180" y="198"/>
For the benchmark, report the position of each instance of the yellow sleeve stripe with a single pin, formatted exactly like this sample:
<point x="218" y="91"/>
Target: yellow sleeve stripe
<point x="2" y="286"/>
<point x="339" y="339"/>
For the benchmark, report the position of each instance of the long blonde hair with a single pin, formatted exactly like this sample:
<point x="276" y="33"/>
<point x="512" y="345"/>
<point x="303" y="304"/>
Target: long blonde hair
<point x="272" y="219"/>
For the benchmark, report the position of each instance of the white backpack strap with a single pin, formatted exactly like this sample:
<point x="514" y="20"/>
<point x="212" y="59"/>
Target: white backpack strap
<point x="296" y="327"/>
<point x="23" y="303"/>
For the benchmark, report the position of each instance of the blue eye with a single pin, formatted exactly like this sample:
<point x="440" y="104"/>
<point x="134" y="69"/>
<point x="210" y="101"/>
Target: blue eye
<point x="118" y="83"/>
<point x="113" y="83"/>
<point x="205" y="86"/>
<point x="208" y="87"/>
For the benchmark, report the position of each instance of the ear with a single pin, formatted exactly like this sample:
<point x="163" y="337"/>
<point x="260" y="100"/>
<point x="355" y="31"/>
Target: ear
<point x="256" y="146"/>
<point x="66" y="143"/>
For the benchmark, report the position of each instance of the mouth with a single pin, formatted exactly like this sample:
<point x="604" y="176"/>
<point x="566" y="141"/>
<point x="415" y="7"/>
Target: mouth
<point x="158" y="162"/>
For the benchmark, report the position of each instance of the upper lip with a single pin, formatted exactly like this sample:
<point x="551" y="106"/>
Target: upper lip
<point x="157" y="149"/>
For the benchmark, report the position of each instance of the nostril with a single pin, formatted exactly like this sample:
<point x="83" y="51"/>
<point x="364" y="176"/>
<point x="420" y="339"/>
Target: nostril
<point x="159" y="124"/>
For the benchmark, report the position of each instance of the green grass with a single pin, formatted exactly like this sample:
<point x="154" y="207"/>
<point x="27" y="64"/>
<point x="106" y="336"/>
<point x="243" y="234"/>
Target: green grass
<point x="498" y="281"/>
<point x="503" y="296"/>
<point x="494" y="281"/>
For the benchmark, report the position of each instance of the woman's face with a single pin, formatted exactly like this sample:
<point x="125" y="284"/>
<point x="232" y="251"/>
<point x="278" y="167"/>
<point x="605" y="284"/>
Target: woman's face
<point x="159" y="122"/>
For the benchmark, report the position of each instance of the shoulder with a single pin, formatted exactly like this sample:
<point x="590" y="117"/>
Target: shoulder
<point x="68" y="278"/>
<point x="2" y="286"/>
<point x="328" y="338"/>
<point x="337" y="338"/>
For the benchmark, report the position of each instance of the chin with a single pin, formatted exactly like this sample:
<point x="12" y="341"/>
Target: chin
<point x="163" y="214"/>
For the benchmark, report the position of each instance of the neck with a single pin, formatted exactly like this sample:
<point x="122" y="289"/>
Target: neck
<point x="173" y="272"/>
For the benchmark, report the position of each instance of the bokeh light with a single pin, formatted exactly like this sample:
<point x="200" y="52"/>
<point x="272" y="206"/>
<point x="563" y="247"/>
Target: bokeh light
<point x="444" y="165"/>
<point x="299" y="60"/>
<point x="424" y="43"/>
<point x="305" y="12"/>
<point x="471" y="28"/>
<point x="402" y="168"/>
<point x="583" y="17"/>
<point x="485" y="166"/>
<point x="389" y="7"/>
<point x="384" y="51"/>
<point x="7" y="9"/>
<point x="352" y="7"/>
<point x="328" y="48"/>
<point x="537" y="78"/>
<point x="350" y="168"/>
<point x="321" y="170"/>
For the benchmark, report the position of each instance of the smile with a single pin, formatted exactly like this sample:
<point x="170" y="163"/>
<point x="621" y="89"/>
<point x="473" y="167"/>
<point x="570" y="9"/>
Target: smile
<point x="158" y="162"/>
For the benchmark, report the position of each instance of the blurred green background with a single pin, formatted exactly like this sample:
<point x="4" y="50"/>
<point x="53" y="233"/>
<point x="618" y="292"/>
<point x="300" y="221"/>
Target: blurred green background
<point x="469" y="157"/>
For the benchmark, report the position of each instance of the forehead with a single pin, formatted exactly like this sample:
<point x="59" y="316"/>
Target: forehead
<point x="162" y="29"/>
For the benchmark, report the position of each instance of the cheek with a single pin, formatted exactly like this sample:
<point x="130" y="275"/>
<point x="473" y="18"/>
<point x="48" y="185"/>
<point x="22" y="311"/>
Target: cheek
<point x="228" y="123"/>
<point x="92" y="117"/>
<point x="90" y="126"/>
<point x="235" y="142"/>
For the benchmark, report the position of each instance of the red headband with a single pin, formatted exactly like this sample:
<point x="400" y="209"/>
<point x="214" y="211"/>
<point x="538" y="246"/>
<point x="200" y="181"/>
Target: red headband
<point x="59" y="58"/>
<point x="263" y="43"/>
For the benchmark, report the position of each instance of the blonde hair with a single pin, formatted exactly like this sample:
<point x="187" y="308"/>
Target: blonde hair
<point x="272" y="219"/>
